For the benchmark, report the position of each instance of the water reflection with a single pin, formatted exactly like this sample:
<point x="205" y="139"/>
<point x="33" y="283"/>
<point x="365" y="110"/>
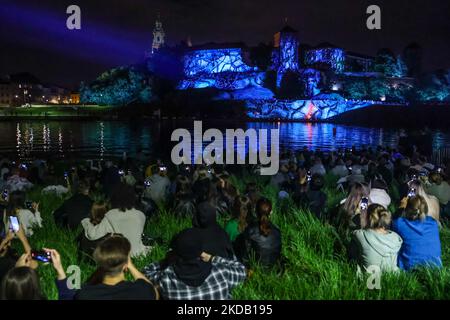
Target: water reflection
<point x="102" y="140"/>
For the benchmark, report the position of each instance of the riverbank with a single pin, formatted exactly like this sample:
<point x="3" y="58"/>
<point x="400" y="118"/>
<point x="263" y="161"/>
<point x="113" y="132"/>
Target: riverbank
<point x="316" y="258"/>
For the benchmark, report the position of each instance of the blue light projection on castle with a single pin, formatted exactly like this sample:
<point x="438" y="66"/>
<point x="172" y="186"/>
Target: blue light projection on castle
<point x="215" y="61"/>
<point x="232" y="71"/>
<point x="218" y="68"/>
<point x="333" y="57"/>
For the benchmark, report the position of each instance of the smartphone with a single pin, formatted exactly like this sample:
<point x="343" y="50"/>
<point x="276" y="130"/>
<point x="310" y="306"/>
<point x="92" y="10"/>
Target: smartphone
<point x="147" y="183"/>
<point x="364" y="203"/>
<point x="5" y="195"/>
<point x="66" y="175"/>
<point x="14" y="224"/>
<point x="412" y="193"/>
<point x="23" y="166"/>
<point x="121" y="173"/>
<point x="29" y="205"/>
<point x="309" y="176"/>
<point x="42" y="256"/>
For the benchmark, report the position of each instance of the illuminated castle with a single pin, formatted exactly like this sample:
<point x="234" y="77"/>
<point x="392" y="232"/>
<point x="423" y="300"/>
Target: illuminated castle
<point x="231" y="68"/>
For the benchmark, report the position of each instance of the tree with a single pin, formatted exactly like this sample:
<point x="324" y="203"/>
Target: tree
<point x="400" y="69"/>
<point x="378" y="89"/>
<point x="356" y="89"/>
<point x="118" y="86"/>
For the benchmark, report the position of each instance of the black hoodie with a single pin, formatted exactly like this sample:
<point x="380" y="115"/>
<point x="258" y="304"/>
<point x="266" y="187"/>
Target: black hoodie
<point x="215" y="240"/>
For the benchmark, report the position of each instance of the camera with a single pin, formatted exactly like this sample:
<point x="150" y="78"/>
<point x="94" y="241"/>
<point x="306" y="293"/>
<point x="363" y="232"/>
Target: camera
<point x="364" y="203"/>
<point x="121" y="173"/>
<point x="42" y="256"/>
<point x="14" y="224"/>
<point x="147" y="183"/>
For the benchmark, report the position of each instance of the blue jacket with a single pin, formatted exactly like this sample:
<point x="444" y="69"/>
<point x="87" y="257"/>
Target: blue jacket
<point x="421" y="243"/>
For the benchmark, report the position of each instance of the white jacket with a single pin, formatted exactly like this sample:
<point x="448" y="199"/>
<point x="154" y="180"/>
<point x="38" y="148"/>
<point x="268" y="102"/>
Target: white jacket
<point x="381" y="197"/>
<point x="129" y="223"/>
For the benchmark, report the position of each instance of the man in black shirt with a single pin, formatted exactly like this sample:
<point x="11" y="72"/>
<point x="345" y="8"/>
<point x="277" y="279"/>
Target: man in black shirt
<point x="74" y="209"/>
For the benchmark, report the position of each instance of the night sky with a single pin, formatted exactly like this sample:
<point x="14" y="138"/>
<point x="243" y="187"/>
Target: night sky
<point x="34" y="38"/>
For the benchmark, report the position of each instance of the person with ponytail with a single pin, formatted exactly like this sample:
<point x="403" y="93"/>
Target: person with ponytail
<point x="420" y="234"/>
<point x="376" y="245"/>
<point x="242" y="211"/>
<point x="261" y="239"/>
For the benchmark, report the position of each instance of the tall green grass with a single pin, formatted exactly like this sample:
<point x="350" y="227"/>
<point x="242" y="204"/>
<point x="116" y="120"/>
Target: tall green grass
<point x="316" y="265"/>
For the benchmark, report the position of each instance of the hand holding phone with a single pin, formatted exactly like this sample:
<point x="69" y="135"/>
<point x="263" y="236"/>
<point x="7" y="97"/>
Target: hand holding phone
<point x="42" y="256"/>
<point x="14" y="225"/>
<point x="364" y="203"/>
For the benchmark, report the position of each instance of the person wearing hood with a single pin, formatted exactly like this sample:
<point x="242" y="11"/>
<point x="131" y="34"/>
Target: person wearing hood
<point x="376" y="245"/>
<point x="215" y="239"/>
<point x="378" y="193"/>
<point x="189" y="273"/>
<point x="420" y="233"/>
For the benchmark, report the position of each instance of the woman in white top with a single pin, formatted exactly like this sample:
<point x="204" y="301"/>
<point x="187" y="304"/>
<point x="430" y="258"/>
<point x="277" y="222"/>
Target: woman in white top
<point x="124" y="219"/>
<point x="29" y="216"/>
<point x="432" y="202"/>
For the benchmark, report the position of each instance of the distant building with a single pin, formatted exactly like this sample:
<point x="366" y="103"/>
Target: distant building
<point x="24" y="88"/>
<point x="158" y="35"/>
<point x="75" y="98"/>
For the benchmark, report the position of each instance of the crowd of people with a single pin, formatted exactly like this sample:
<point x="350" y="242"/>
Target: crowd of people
<point x="394" y="204"/>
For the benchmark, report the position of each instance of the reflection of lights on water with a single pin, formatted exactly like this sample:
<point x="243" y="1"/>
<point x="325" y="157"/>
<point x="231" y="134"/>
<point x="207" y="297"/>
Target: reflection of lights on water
<point x="102" y="140"/>
<point x="60" y="141"/>
<point x="18" y="138"/>
<point x="46" y="137"/>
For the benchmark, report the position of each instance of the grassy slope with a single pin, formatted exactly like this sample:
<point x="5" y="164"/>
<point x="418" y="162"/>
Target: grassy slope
<point x="316" y="269"/>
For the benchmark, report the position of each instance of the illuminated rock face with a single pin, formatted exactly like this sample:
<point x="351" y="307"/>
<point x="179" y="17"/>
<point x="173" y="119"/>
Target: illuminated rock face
<point x="333" y="57"/>
<point x="214" y="61"/>
<point x="301" y="109"/>
<point x="223" y="81"/>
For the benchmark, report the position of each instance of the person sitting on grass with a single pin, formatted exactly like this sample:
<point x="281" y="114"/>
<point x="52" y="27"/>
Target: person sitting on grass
<point x="8" y="257"/>
<point x="216" y="240"/>
<point x="432" y="201"/>
<point x="312" y="197"/>
<point x="261" y="238"/>
<point x="184" y="205"/>
<point x="74" y="209"/>
<point x="189" y="273"/>
<point x="29" y="217"/>
<point x="441" y="190"/>
<point x="22" y="282"/>
<point x="98" y="212"/>
<point x="124" y="218"/>
<point x="379" y="193"/>
<point x="420" y="234"/>
<point x="376" y="245"/>
<point x="241" y="212"/>
<point x="352" y="209"/>
<point x="108" y="282"/>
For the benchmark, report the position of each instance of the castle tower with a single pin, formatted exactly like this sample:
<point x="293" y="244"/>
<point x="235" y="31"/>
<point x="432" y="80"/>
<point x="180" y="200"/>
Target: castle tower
<point x="287" y="44"/>
<point x="158" y="35"/>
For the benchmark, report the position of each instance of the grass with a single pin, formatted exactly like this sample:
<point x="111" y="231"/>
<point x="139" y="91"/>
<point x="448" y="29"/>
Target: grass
<point x="316" y="267"/>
